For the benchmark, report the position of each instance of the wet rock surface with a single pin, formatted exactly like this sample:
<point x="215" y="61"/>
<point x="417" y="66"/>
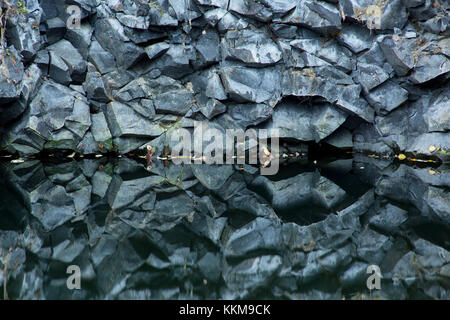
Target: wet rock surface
<point x="362" y="75"/>
<point x="170" y="233"/>
<point x="132" y="61"/>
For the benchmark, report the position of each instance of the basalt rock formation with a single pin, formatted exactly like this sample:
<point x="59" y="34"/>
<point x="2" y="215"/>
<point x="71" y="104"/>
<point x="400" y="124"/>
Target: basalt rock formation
<point x="321" y="71"/>
<point x="366" y="78"/>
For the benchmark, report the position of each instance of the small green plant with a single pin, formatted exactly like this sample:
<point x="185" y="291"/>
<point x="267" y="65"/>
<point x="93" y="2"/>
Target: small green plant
<point x="154" y="4"/>
<point x="21" y="7"/>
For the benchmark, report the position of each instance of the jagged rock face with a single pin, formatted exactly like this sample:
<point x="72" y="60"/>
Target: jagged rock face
<point x="306" y="123"/>
<point x="134" y="62"/>
<point x="166" y="233"/>
<point x="364" y="74"/>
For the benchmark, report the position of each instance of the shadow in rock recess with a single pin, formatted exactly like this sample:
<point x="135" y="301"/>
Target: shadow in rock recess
<point x="223" y="232"/>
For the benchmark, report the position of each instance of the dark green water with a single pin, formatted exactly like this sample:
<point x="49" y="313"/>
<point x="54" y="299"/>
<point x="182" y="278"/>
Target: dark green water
<point x="209" y="232"/>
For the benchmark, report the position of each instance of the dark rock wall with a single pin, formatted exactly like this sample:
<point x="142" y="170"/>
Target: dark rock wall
<point x="372" y="75"/>
<point x="376" y="71"/>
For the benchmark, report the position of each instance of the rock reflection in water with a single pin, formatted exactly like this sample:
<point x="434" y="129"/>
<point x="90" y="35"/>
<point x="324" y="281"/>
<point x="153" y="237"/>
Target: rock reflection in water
<point x="215" y="232"/>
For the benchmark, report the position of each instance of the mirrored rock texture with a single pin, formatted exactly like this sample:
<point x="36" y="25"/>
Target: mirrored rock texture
<point x="115" y="75"/>
<point x="366" y="75"/>
<point x="224" y="232"/>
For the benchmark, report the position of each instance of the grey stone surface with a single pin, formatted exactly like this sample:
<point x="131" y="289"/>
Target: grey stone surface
<point x="57" y="118"/>
<point x="209" y="59"/>
<point x="355" y="37"/>
<point x="376" y="15"/>
<point x="246" y="115"/>
<point x="330" y="52"/>
<point x="94" y="86"/>
<point x="156" y="50"/>
<point x="22" y="30"/>
<point x="72" y="58"/>
<point x="429" y="67"/>
<point x="81" y="38"/>
<point x="58" y="69"/>
<point x="100" y="58"/>
<point x="362" y="74"/>
<point x="387" y="97"/>
<point x="100" y="131"/>
<point x="110" y="34"/>
<point x="176" y="62"/>
<point x="251" y="47"/>
<point x="398" y="53"/>
<point x="305" y="122"/>
<point x="123" y="120"/>
<point x="320" y="16"/>
<point x="55" y="29"/>
<point x="11" y="75"/>
<point x="341" y="138"/>
<point x="212" y="108"/>
<point x="251" y="85"/>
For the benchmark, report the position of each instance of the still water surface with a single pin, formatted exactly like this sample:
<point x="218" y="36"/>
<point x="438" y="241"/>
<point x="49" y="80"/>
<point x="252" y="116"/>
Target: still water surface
<point x="224" y="232"/>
